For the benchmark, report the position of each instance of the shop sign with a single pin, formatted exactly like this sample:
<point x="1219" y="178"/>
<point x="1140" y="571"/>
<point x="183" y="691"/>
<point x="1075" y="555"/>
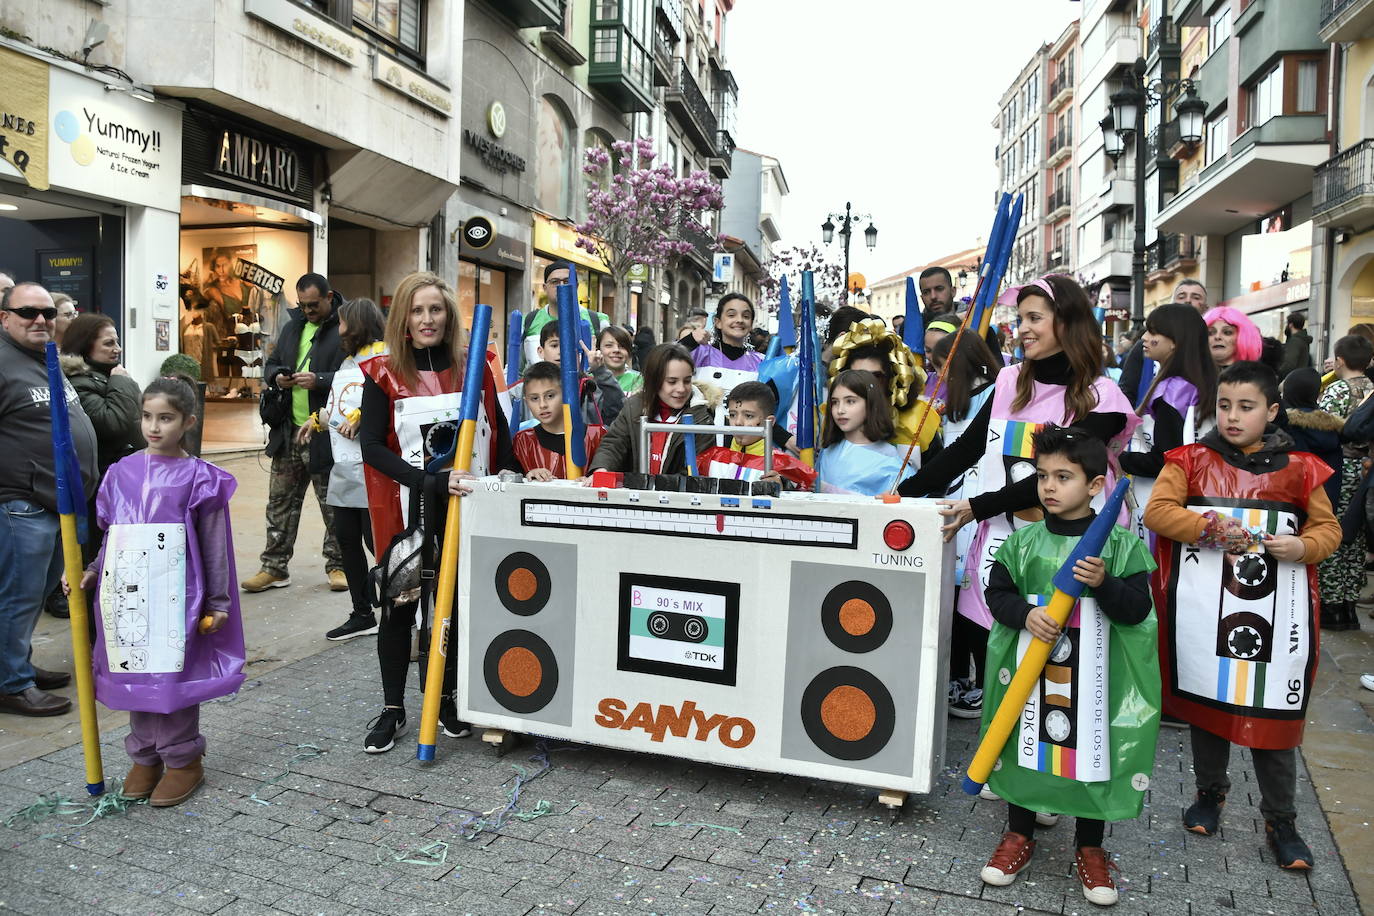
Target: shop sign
<point x="496" y="119"/>
<point x="226" y="154"/>
<point x="24" y="119"/>
<point x="477" y="232"/>
<point x="259" y="276"/>
<point x="639" y="273"/>
<point x="500" y="251"/>
<point x="112" y="145"/>
<point x="1118" y="314"/>
<point x="723" y="270"/>
<point x="413" y="85"/>
<point x="494" y="156"/>
<point x="319" y="33"/>
<point x="560" y="242"/>
<point x="70" y="271"/>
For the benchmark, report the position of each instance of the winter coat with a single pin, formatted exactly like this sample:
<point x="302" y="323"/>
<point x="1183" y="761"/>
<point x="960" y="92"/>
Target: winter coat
<point x="1297" y="353"/>
<point x="114" y="404"/>
<point x="620" y="448"/>
<point x="325" y="356"/>
<point x="1319" y="432"/>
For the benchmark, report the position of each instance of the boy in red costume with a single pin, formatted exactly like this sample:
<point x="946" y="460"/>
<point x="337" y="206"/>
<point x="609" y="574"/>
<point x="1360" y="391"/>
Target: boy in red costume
<point x="752" y="404"/>
<point x="1238" y="635"/>
<point x="540" y="449"/>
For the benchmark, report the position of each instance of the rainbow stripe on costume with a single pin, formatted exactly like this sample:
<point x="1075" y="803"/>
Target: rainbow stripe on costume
<point x="1240" y="683"/>
<point x="1057" y="760"/>
<point x="1254" y="519"/>
<point x="1017" y="441"/>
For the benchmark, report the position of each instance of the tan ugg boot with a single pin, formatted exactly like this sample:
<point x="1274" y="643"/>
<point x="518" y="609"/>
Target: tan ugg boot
<point x="141" y="780"/>
<point x="177" y="785"/>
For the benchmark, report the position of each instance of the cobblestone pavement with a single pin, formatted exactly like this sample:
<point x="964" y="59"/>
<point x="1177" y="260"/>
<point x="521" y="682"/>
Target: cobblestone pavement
<point x="347" y="832"/>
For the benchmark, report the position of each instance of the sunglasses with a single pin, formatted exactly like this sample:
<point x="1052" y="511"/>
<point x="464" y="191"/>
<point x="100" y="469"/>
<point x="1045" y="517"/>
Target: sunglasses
<point x="29" y="312"/>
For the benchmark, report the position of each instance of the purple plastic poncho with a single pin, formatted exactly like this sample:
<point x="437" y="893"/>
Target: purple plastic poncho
<point x="168" y="558"/>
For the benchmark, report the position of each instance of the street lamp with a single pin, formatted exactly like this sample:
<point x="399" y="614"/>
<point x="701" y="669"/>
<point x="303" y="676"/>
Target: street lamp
<point x="847" y="220"/>
<point x="1126" y="119"/>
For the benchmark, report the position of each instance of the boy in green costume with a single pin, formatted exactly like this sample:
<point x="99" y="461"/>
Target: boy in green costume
<point x="1085" y="742"/>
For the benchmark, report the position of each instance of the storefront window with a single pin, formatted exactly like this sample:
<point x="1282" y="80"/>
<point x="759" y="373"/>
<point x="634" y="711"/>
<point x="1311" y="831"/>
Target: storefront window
<point x="487" y="285"/>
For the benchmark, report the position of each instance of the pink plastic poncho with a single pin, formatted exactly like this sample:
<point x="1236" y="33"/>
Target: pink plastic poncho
<point x="155" y="583"/>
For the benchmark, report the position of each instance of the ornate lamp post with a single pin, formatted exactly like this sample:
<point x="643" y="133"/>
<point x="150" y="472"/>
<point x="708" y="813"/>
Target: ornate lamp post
<point x="847" y="220"/>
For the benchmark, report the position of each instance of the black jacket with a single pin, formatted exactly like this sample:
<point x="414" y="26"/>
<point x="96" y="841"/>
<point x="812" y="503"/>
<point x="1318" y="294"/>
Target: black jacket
<point x="1297" y="352"/>
<point x="325" y="356"/>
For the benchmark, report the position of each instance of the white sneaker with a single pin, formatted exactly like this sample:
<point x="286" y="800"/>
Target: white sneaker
<point x="1367" y="681"/>
<point x="1046" y="819"/>
<point x="987" y="794"/>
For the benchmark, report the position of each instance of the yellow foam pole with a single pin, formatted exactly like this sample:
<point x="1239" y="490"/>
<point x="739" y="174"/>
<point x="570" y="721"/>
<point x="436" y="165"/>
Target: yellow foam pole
<point x="443" y="602"/>
<point x="570" y="471"/>
<point x="81" y="657"/>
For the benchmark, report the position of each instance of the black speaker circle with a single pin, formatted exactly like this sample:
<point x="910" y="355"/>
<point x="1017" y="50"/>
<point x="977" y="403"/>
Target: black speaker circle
<point x="543" y="584"/>
<point x="548" y="682"/>
<point x="884" y="716"/>
<point x="830" y="616"/>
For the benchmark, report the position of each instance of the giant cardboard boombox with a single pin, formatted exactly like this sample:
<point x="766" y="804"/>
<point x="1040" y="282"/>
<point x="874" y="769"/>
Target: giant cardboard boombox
<point x="799" y="634"/>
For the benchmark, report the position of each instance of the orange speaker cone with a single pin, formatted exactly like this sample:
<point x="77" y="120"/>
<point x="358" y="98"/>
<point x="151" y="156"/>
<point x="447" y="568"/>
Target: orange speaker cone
<point x="848" y="713"/>
<point x="857" y="617"/>
<point x="522" y="584"/>
<point x="520" y="671"/>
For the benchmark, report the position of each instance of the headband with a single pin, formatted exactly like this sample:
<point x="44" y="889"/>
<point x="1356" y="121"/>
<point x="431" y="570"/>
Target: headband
<point x="1043" y="285"/>
<point x="941" y="326"/>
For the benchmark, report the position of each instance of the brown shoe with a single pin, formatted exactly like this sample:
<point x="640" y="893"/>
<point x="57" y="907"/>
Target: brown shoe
<point x="34" y="702"/>
<point x="338" y="582"/>
<point x="50" y="680"/>
<point x="141" y="781"/>
<point x="177" y="785"/>
<point x="263" y="580"/>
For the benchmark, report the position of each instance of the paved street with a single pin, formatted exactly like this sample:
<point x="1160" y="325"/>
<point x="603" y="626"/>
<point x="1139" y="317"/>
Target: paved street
<point x="295" y="818"/>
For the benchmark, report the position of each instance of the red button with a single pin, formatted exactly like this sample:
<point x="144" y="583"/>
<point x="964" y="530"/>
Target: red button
<point x="898" y="535"/>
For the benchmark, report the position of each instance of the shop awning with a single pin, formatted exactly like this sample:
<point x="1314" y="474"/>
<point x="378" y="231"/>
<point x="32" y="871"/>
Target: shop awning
<point x="382" y="193"/>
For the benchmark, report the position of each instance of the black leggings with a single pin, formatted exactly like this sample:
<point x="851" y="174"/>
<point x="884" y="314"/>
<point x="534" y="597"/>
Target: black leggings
<point x="1086" y="832"/>
<point x="353" y="529"/>
<point x="966" y="639"/>
<point x="393" y="654"/>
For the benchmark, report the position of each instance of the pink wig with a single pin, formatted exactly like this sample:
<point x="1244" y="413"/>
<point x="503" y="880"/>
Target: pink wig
<point x="1249" y="344"/>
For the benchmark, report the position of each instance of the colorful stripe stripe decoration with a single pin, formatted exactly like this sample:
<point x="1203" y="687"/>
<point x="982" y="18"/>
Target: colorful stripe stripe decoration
<point x="1017" y="440"/>
<point x="1257" y="519"/>
<point x="1239" y="682"/>
<point x="1057" y="760"/>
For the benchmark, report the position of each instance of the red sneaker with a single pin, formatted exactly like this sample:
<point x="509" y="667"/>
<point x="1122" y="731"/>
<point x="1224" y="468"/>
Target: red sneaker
<point x="1006" y="863"/>
<point x="1095" y="874"/>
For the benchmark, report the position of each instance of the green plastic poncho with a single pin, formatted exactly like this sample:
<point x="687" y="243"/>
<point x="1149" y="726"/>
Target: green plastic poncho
<point x="1085" y="742"/>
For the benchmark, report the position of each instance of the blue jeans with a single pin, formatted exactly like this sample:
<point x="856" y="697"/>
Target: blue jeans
<point x="30" y="567"/>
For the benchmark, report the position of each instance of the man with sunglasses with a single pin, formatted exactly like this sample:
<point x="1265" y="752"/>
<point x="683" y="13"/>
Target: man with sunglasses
<point x="30" y="560"/>
<point x="303" y="361"/>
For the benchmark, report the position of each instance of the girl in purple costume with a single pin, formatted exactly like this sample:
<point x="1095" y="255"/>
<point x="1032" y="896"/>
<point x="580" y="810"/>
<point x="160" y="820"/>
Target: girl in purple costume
<point x="167" y="610"/>
<point x="1179" y="403"/>
<point x="729" y="350"/>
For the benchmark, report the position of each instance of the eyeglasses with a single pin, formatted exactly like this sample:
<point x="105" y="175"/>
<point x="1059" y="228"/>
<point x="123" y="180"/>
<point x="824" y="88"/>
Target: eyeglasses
<point x="29" y="312"/>
<point x="557" y="281"/>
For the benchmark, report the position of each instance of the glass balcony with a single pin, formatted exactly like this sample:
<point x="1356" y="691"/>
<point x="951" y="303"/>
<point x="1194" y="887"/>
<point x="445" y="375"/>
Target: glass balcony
<point x="621" y="67"/>
<point x="528" y="14"/>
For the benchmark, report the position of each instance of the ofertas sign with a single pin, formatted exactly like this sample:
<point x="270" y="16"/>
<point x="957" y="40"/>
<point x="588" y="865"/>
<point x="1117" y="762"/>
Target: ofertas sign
<point x="111" y="145"/>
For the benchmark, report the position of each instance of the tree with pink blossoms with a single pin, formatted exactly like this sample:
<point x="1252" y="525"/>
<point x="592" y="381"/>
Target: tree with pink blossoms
<point x="637" y="213"/>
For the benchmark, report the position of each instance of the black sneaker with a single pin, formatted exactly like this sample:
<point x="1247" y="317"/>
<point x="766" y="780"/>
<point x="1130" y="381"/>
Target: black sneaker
<point x="1289" y="849"/>
<point x="1204" y="815"/>
<point x="56" y="605"/>
<point x="355" y="625"/>
<point x="453" y="726"/>
<point x="386" y="728"/>
<point x="969" y="705"/>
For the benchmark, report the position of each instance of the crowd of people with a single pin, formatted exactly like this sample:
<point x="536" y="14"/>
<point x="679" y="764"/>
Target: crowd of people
<point x="1246" y="460"/>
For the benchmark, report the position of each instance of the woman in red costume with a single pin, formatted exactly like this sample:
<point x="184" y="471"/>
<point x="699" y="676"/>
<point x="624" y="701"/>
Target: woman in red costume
<point x="410" y="412"/>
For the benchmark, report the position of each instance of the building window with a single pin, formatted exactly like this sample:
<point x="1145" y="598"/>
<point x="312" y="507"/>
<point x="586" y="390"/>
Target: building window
<point x="1264" y="98"/>
<point x="1308" y="71"/>
<point x="554" y="152"/>
<point x="1218" y="139"/>
<point x="1220" y="28"/>
<point x="398" y="23"/>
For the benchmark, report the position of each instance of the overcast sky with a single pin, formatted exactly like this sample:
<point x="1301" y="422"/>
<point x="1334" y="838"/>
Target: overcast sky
<point x="887" y="103"/>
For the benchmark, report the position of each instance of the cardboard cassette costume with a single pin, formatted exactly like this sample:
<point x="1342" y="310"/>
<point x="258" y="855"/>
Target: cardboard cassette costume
<point x="152" y="589"/>
<point x="1238" y="636"/>
<point x="1010" y="458"/>
<point x="424" y="424"/>
<point x="1085" y="741"/>
<point x="1182" y="396"/>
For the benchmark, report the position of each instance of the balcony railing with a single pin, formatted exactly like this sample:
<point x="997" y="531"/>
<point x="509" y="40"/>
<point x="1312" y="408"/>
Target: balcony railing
<point x="684" y="98"/>
<point x="1330" y="9"/>
<point x="1164" y="37"/>
<point x="1058" y="259"/>
<point x="1061" y="82"/>
<point x="1170" y="250"/>
<point x="702" y="241"/>
<point x="1060" y="198"/>
<point x="670" y="11"/>
<point x="1344" y="178"/>
<point x="1061" y="140"/>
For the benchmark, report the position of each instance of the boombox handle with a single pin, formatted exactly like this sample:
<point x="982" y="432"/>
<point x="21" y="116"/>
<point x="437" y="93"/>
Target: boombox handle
<point x="645" y="428"/>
